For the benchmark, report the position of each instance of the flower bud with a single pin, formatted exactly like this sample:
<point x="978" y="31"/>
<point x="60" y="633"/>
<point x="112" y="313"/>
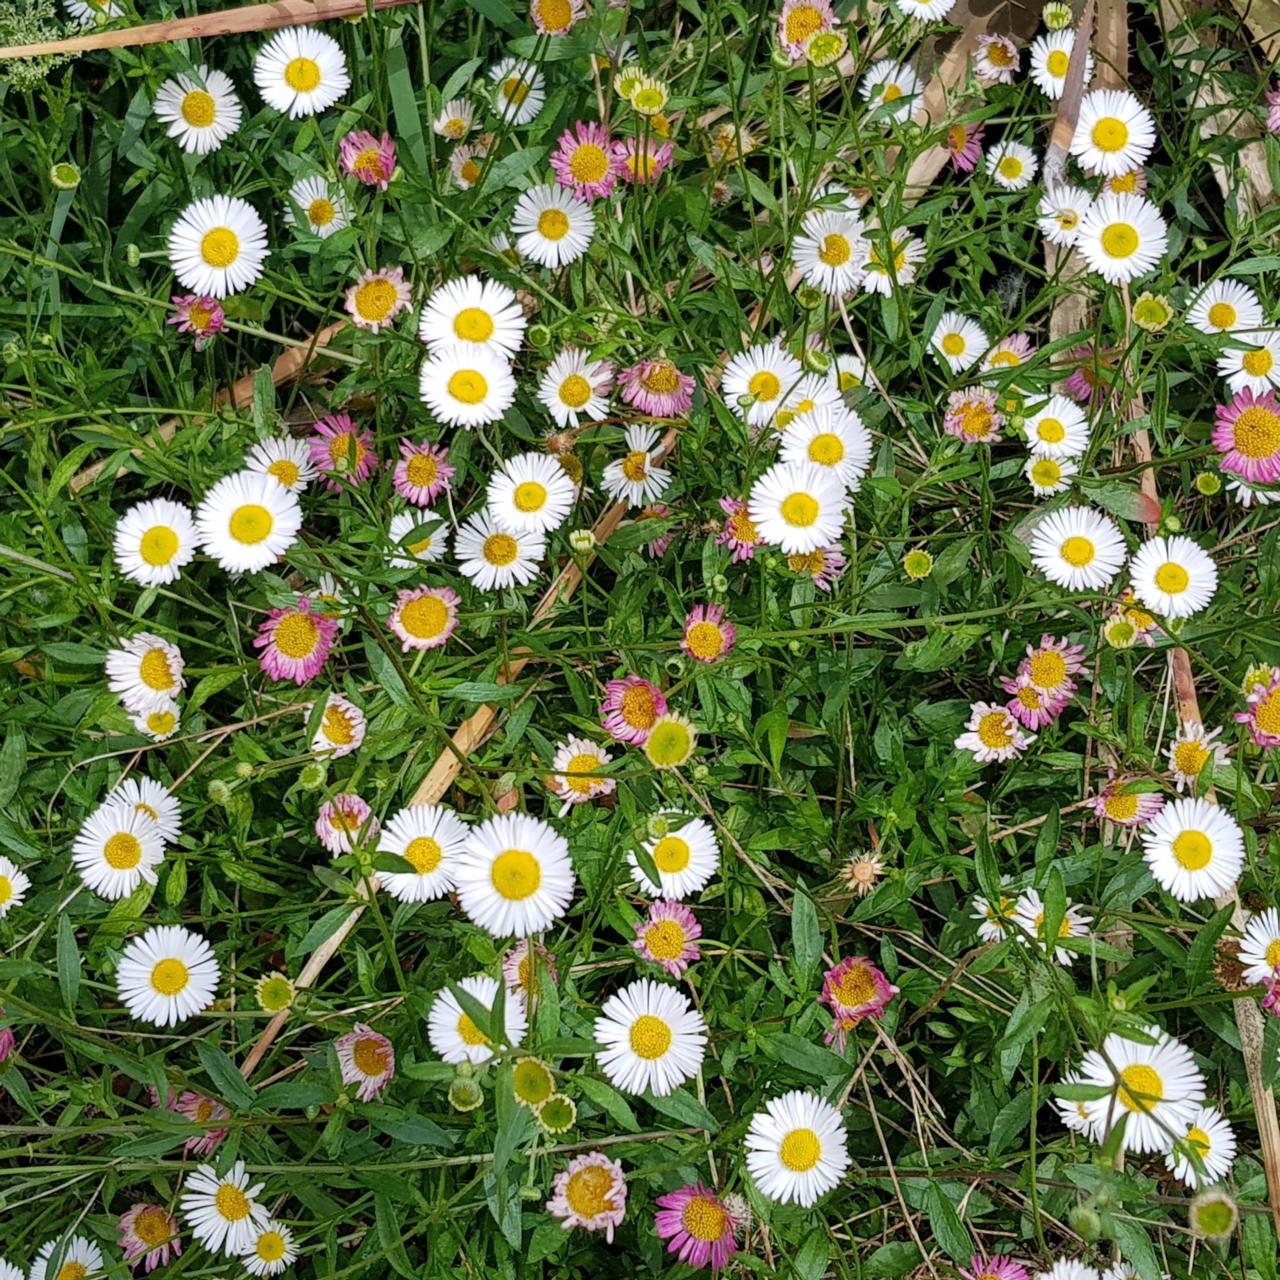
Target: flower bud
<point x="465" y="1094"/>
<point x="583" y="541"/>
<point x="1208" y="483"/>
<point x="65" y="176"/>
<point x="132" y="255"/>
<point x="1085" y="1222"/>
<point x="219" y="792"/>
<point x="539" y="335"/>
<point x="313" y="775"/>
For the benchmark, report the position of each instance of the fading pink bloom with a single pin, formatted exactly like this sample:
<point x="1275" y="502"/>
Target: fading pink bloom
<point x="590" y="1193"/>
<point x="657" y="387"/>
<point x="149" y="1236"/>
<point x="368" y="159"/>
<point x="994" y="1268"/>
<point x="1093" y="369"/>
<point x="522" y="969"/>
<point x="423" y="472"/>
<point x="964" y="146"/>
<point x="1271" y="1001"/>
<point x="1124" y="808"/>
<point x="367" y="1059"/>
<point x="295" y="642"/>
<point x="641" y="162"/>
<point x="377" y="298"/>
<point x="991" y="733"/>
<point x="1029" y="705"/>
<point x="996" y="60"/>
<point x="1273" y="110"/>
<point x="799" y="21"/>
<point x="341" y="453"/>
<point x="699" y="1225"/>
<point x="203" y="1111"/>
<point x="824" y="565"/>
<point x="972" y="416"/>
<point x="707" y="636"/>
<point x="198" y="314"/>
<point x="1247" y="435"/>
<point x="1051" y="664"/>
<point x="1009" y="352"/>
<point x="576" y="772"/>
<point x="585" y="160"/>
<point x="668" y="936"/>
<point x="424" y="618"/>
<point x="555" y="19"/>
<point x="739" y="534"/>
<point x="7" y="1041"/>
<point x="1131" y="182"/>
<point x="656" y="549"/>
<point x="855" y="989"/>
<point x="1263" y="714"/>
<point x="630" y="708"/>
<point x="344" y="822"/>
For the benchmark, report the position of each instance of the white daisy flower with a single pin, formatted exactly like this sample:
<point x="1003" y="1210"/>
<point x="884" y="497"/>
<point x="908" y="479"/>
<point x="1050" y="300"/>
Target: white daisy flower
<point x="247" y="521"/>
<point x="88" y="13"/>
<point x="153" y="541"/>
<point x="1247" y="494"/>
<point x="576" y="387"/>
<point x="530" y="493"/>
<point x="650" y="1037"/>
<point x="76" y="1257"/>
<point x="1114" y="133"/>
<point x="1058" y="429"/>
<point x="159" y="723"/>
<point x="891" y="258"/>
<point x="1260" y="946"/>
<point x="222" y="1212"/>
<point x="301" y="71"/>
<point x="1252" y="361"/>
<point x="1157" y="1087"/>
<point x="118" y="846"/>
<point x="341" y="729"/>
<point x="1048" y="476"/>
<point x="925" y="10"/>
<point x="167" y="975"/>
<point x="1122" y="237"/>
<point x="1191" y="749"/>
<point x="637" y="478"/>
<point x="992" y="734"/>
<point x="685" y="860"/>
<point x="1060" y="212"/>
<point x="830" y="251"/>
<point x="757" y="381"/>
<point x="14" y="884"/>
<point x="145" y="672"/>
<point x="466" y="386"/>
<point x="812" y="392"/>
<point x="1078" y="548"/>
<point x="514" y="876"/>
<point x="832" y="439"/>
<point x="1050" y="59"/>
<point x="1011" y="165"/>
<point x="325" y="209"/>
<point x="1213" y="1143"/>
<point x="958" y="342"/>
<point x="472" y="312"/>
<point x="218" y="245"/>
<point x="421" y="544"/>
<point x="891" y="86"/>
<point x="1069" y="1269"/>
<point x="518" y="92"/>
<point x="1029" y="923"/>
<point x="452" y="1031"/>
<point x="1194" y="849"/>
<point x="1225" y="306"/>
<point x="796" y="1148"/>
<point x="552" y="226"/>
<point x="201" y="111"/>
<point x="993" y="917"/>
<point x="1174" y="577"/>
<point x="1078" y="1116"/>
<point x="286" y="458"/>
<point x="798" y="506"/>
<point x="271" y="1251"/>
<point x="429" y="837"/>
<point x="455" y="119"/>
<point x="493" y="558"/>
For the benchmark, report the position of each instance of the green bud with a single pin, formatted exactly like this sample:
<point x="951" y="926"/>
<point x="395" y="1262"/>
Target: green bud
<point x="245" y="770"/>
<point x="465" y="1094"/>
<point x="809" y="297"/>
<point x="219" y="792"/>
<point x="1214" y="1215"/>
<point x="539" y="335"/>
<point x="65" y="176"/>
<point x="132" y="255"/>
<point x="312" y="776"/>
<point x="701" y="773"/>
<point x="720" y="584"/>
<point x="795" y="646"/>
<point x="816" y="361"/>
<point x="780" y="58"/>
<point x="1208" y="483"/>
<point x="1173" y="524"/>
<point x="1085" y="1222"/>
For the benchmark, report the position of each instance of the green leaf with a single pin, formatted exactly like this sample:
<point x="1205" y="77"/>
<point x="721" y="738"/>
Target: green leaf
<point x="1201" y="955"/>
<point x="385" y="673"/>
<point x="684" y="1107"/>
<point x="416" y="1130"/>
<point x="948" y="1230"/>
<point x="227" y="1080"/>
<point x="810" y="1263"/>
<point x="68" y="962"/>
<point x="498" y="12"/>
<point x="806" y="938"/>
<point x="13" y="763"/>
<point x="610" y="1101"/>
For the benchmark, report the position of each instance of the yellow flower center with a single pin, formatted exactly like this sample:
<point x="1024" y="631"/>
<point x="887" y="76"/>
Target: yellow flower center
<point x="338" y="726"/>
<point x="425" y="617"/>
<point x="422" y="470"/>
<point x="501" y="549"/>
<point x="999" y="56"/>
<point x="575" y="391"/>
<point x="285" y="471"/>
<point x="6" y="889"/>
<point x="827" y="449"/>
<point x="1068" y="219"/>
<point x="1189" y="758"/>
<point x="470" y="1033"/>
<point x="554" y="15"/>
<point x="801" y="23"/>
<point x="423" y="854"/>
<point x="995" y="730"/>
<point x="469" y="171"/>
<point x="198" y="109"/>
<point x="169" y="977"/>
<point x="1258" y="363"/>
<point x="1110" y="134"/>
<point x="1010" y="167"/>
<point x="220" y="247"/>
<point x="703" y="1219"/>
<point x="1122" y="806"/>
<point x="836" y="250"/>
<point x="473" y="324"/>
<point x="375" y="299"/>
<point x="270" y="1246"/>
<point x="161" y="723"/>
<point x="1257" y="432"/>
<point x="577" y="773"/>
<point x="1172" y="578"/>
<point x="468" y="385"/>
<point x="151" y="1226"/>
<point x="1057" y="63"/>
<point x="553" y="224"/>
<point x="1192" y="850"/>
<point x="1119" y="240"/>
<point x="800" y="1150"/>
<point x="650" y="1037"/>
<point x="1222" y="315"/>
<point x="765" y="385"/>
<point x="251" y="524"/>
<point x="892" y="92"/>
<point x="587" y="1192"/>
<point x="515" y="89"/>
<point x="1029" y="696"/>
<point x="1266" y="713"/>
<point x="1141" y="1087"/>
<point x="799" y="510"/>
<point x="1051" y="431"/>
<point x="154" y="670"/>
<point x="302" y="75"/>
<point x="1078" y="552"/>
<point x="665" y="940"/>
<point x="671" y="855"/>
<point x="123" y="851"/>
<point x="516" y="874"/>
<point x="530" y="496"/>
<point x="321" y="212"/>
<point x="953" y="344"/>
<point x="705" y="639"/>
<point x="1045" y="473"/>
<point x="1273" y="953"/>
<point x="857" y="987"/>
<point x="635" y="466"/>
<point x="976" y="421"/>
<point x="296" y="635"/>
<point x="158" y="545"/>
<point x="370" y="1056"/>
<point x="72" y="1271"/>
<point x="232" y="1203"/>
<point x="1047" y="668"/>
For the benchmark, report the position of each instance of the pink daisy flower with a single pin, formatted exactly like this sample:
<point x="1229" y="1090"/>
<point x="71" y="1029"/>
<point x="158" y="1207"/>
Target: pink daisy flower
<point x="657" y="387"/>
<point x="630" y="708"/>
<point x="1271" y="1001"/>
<point x="1009" y="352"/>
<point x="855" y="989"/>
<point x="1051" y="664"/>
<point x="656" y="549"/>
<point x="1092" y="373"/>
<point x="1125" y="808"/>
<point x="972" y="416"/>
<point x="203" y="1111"/>
<point x="739" y="534"/>
<point x="707" y="636"/>
<point x="824" y="565"/>
<point x="585" y="160"/>
<point x="368" y="159"/>
<point x="341" y="453"/>
<point x="590" y="1193"/>
<point x="423" y="472"/>
<point x="295" y="642"/>
<point x="1263" y="714"/>
<point x="1029" y="705"/>
<point x="198" y="314"/>
<point x="1247" y="435"/>
<point x="668" y="936"/>
<point x="344" y="822"/>
<point x="1273" y="110"/>
<point x="964" y="146"/>
<point x="7" y="1040"/>
<point x="996" y="60"/>
<point x="699" y="1225"/>
<point x="994" y="1268"/>
<point x="377" y="297"/>
<point x="149" y="1236"/>
<point x="425" y="617"/>
<point x="366" y="1059"/>
<point x="801" y="19"/>
<point x="641" y="162"/>
<point x="522" y="969"/>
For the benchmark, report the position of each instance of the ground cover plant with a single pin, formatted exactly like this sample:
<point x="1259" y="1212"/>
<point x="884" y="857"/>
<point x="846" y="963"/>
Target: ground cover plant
<point x="640" y="639"/>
